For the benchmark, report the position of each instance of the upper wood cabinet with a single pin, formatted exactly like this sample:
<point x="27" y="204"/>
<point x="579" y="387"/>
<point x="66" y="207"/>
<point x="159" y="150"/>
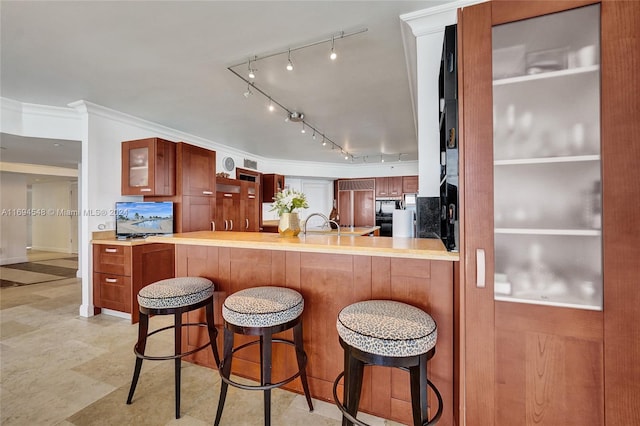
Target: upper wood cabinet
<point x="389" y="187"/>
<point x="148" y="167"/>
<point x="271" y="185"/>
<point x="196" y="170"/>
<point x="410" y="184"/>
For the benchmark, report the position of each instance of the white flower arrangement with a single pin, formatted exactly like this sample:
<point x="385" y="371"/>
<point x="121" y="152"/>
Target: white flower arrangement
<point x="288" y="201"/>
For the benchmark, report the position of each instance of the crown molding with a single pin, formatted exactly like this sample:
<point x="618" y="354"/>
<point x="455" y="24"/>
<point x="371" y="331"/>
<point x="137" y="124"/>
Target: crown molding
<point x="434" y="19"/>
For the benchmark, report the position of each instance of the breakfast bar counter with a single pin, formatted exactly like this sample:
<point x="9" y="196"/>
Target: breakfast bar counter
<point x="330" y="272"/>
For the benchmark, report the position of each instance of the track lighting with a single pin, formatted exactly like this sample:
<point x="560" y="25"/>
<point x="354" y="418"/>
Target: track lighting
<point x="333" y="54"/>
<point x="248" y="92"/>
<point x="324" y="142"/>
<point x="289" y="63"/>
<point x="271" y="107"/>
<point x="303" y="129"/>
<point x="314" y="135"/>
<point x="251" y="70"/>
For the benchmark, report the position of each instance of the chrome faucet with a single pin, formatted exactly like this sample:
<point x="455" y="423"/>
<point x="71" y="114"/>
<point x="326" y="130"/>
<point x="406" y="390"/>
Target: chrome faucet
<point x="326" y="222"/>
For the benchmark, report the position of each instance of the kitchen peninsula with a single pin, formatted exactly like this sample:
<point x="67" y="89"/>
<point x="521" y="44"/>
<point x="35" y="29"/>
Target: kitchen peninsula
<point x="330" y="272"/>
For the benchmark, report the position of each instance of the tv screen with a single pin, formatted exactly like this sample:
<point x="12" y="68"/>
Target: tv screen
<point x="138" y="219"/>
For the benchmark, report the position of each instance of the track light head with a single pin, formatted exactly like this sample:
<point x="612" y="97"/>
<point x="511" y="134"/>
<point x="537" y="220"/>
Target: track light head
<point x="289" y="63"/>
<point x="252" y="74"/>
<point x="333" y="55"/>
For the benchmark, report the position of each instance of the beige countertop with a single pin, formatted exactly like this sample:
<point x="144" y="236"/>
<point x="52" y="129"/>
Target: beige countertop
<point x="416" y="248"/>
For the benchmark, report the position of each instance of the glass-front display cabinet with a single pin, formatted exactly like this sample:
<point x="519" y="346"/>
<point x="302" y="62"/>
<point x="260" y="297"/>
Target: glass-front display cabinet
<point x="547" y="174"/>
<point x="148" y="167"/>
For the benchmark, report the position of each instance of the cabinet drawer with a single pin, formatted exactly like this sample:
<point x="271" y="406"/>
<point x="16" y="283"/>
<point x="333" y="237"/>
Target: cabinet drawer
<point x="112" y="259"/>
<point x="112" y="292"/>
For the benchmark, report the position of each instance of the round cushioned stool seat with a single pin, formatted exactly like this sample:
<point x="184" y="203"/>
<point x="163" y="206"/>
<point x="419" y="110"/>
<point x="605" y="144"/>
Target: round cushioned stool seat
<point x="175" y="292"/>
<point x="387" y="328"/>
<point x="262" y="306"/>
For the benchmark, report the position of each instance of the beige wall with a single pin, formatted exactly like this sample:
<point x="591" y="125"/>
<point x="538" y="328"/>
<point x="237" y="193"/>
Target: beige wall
<point x="13" y="228"/>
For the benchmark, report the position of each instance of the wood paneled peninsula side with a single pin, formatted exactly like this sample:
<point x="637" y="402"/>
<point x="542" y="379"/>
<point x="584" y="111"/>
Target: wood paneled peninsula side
<point x="330" y="272"/>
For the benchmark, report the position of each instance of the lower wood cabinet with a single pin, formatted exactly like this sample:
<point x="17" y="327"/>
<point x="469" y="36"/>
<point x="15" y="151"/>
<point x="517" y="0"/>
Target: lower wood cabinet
<point x="121" y="270"/>
<point x="328" y="283"/>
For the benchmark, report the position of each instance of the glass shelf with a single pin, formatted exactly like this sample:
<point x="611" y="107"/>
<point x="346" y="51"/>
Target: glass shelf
<point x="547" y="75"/>
<point x="547" y="160"/>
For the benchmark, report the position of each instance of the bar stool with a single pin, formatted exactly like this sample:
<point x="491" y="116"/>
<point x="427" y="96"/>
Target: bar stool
<point x="262" y="311"/>
<point x="391" y="334"/>
<point x="173" y="296"/>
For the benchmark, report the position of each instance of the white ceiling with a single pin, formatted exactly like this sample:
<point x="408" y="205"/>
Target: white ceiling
<point x="166" y="61"/>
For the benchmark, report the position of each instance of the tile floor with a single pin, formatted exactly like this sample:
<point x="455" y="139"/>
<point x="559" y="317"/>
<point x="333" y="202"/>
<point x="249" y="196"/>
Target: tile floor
<point x="62" y="369"/>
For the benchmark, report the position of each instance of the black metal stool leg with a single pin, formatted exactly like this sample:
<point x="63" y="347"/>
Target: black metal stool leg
<point x="353" y="385"/>
<point x="143" y="328"/>
<point x="266" y="375"/>
<point x="225" y="370"/>
<point x="178" y="347"/>
<point x="213" y="332"/>
<point x="419" y="391"/>
<point x="300" y="356"/>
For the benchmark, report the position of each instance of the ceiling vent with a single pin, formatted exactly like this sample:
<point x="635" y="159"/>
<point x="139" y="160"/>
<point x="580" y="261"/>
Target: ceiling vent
<point x="251" y="164"/>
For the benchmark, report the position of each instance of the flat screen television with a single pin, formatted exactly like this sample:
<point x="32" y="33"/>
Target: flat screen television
<point x="143" y="218"/>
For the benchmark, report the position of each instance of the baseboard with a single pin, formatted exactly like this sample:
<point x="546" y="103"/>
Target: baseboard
<point x="12" y="260"/>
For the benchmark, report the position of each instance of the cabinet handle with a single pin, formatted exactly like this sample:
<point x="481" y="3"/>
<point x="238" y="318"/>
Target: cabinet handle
<point x="207" y="192"/>
<point x="231" y="221"/>
<point x="110" y="250"/>
<point x="226" y="225"/>
<point x="145" y="189"/>
<point x="110" y="280"/>
<point x="228" y="195"/>
<point x="480" y="268"/>
<point x="213" y="226"/>
<point x="247" y="227"/>
<point x="252" y="196"/>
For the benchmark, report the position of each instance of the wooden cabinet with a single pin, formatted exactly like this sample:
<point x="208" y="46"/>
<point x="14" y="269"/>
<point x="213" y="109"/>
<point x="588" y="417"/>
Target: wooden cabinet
<point x="195" y="198"/>
<point x="196" y="170"/>
<point x="250" y="206"/>
<point x="148" y="167"/>
<point x="236" y="205"/>
<point x="410" y="184"/>
<point x="271" y="185"/>
<point x="356" y="202"/>
<point x="120" y="271"/>
<point x="548" y="361"/>
<point x="228" y="214"/>
<point x="389" y="187"/>
<point x="328" y="283"/>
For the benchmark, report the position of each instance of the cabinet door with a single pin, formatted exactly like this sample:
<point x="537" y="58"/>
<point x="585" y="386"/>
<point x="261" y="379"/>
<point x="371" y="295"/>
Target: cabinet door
<point x="382" y="187"/>
<point x="364" y="208"/>
<point x="345" y="208"/>
<point x="197" y="213"/>
<point x="249" y="206"/>
<point x="395" y="186"/>
<point x="410" y="184"/>
<point x="197" y="169"/>
<point x="148" y="167"/>
<point x="228" y="210"/>
<point x="533" y="325"/>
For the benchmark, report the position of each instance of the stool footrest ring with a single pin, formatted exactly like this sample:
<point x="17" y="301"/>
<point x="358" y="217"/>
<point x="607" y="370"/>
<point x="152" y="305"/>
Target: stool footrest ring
<point x="261" y="387"/>
<point x="168" y="357"/>
<point x="357" y="422"/>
